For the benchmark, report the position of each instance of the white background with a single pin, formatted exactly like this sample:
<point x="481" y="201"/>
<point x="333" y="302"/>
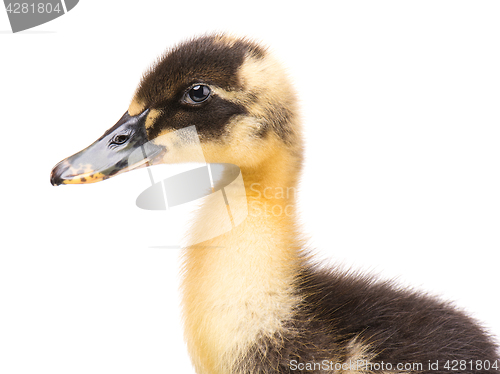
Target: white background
<point x="401" y="115"/>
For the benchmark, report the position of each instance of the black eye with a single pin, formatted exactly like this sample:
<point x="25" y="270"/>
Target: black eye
<point x="198" y="94"/>
<point x="120" y="139"/>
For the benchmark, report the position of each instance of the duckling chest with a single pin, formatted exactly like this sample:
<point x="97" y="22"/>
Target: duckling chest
<point x="237" y="289"/>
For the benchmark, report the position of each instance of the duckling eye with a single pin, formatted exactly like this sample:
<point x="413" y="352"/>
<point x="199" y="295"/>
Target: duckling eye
<point x="198" y="94"/>
<point x="120" y="139"/>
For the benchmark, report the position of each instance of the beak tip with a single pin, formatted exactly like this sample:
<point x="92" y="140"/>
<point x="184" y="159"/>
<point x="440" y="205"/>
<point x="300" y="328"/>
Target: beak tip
<point x="56" y="175"/>
<point x="55" y="180"/>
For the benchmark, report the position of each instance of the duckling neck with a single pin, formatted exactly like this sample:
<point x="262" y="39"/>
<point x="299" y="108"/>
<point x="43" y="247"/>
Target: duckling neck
<point x="238" y="287"/>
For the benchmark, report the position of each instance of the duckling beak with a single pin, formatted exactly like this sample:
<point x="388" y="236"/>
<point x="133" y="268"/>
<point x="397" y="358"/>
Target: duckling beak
<point x="111" y="154"/>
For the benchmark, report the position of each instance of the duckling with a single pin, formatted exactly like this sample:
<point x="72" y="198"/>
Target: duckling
<point x="254" y="299"/>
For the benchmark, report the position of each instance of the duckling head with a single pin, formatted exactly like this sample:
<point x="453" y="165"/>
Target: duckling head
<point x="232" y="90"/>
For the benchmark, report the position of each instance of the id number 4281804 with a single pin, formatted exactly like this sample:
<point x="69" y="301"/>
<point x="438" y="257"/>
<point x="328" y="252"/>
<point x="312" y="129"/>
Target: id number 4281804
<point x="460" y="365"/>
<point x="24" y="8"/>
